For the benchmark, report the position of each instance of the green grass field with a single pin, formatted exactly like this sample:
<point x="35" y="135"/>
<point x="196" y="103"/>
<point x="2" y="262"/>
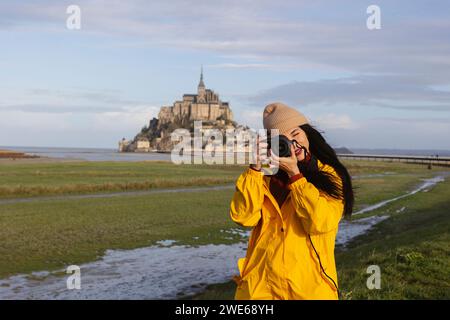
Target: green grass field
<point x="59" y="233"/>
<point x="60" y="178"/>
<point x="51" y="234"/>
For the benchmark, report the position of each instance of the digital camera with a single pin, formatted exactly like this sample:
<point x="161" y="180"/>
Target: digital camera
<point x="284" y="146"/>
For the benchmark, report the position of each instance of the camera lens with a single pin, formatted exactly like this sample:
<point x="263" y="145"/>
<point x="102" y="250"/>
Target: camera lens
<point x="284" y="147"/>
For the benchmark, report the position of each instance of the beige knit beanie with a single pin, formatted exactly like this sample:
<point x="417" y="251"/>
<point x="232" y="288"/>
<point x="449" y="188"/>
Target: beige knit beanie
<point x="279" y="116"/>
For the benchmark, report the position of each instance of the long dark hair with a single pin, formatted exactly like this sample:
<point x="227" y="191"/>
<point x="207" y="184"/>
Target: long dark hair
<point x="323" y="180"/>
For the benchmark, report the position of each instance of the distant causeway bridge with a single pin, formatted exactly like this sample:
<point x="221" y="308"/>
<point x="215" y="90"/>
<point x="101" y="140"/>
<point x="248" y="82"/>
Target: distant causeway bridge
<point x="426" y="160"/>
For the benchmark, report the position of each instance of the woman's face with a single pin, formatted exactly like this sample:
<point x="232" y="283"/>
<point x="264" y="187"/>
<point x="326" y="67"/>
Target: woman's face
<point x="298" y="135"/>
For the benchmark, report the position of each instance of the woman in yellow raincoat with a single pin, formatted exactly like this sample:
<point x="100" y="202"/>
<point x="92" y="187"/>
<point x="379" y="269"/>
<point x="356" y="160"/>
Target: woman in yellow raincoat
<point x="294" y="214"/>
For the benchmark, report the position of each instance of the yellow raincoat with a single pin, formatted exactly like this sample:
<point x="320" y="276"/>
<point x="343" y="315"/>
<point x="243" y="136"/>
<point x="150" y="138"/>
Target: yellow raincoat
<point x="280" y="262"/>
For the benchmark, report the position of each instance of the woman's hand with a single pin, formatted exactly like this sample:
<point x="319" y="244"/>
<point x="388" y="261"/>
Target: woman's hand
<point x="287" y="164"/>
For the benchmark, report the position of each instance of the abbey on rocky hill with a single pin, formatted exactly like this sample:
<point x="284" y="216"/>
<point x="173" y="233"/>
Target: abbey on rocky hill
<point x="205" y="105"/>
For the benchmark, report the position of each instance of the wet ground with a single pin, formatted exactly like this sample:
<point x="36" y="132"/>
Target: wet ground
<point x="116" y="194"/>
<point x="166" y="270"/>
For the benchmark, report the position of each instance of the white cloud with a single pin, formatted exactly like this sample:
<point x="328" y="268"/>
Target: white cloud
<point x="73" y="129"/>
<point x="366" y="90"/>
<point x="396" y="133"/>
<point x="334" y="121"/>
<point x="21" y="122"/>
<point x="239" y="66"/>
<point x="250" y="117"/>
<point x="414" y="47"/>
<point x="132" y="119"/>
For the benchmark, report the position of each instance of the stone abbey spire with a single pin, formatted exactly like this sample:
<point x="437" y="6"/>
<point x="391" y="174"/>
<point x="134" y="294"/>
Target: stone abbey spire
<point x="201" y="83"/>
<point x="201" y="89"/>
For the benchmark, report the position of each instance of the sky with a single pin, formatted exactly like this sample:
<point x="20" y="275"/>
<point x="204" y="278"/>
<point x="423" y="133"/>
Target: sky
<point x="361" y="88"/>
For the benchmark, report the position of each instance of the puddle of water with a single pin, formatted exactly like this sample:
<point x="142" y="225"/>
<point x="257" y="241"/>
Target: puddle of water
<point x="373" y="175"/>
<point x="147" y="273"/>
<point x="242" y="233"/>
<point x="351" y="229"/>
<point x="427" y="183"/>
<point x="400" y="210"/>
<point x="166" y="243"/>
